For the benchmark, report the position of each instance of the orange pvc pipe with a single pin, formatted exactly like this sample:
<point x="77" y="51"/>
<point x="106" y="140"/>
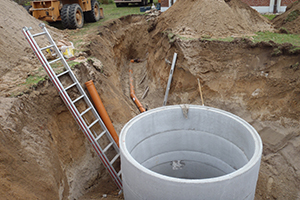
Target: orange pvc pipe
<point x="132" y="94"/>
<point x="101" y="110"/>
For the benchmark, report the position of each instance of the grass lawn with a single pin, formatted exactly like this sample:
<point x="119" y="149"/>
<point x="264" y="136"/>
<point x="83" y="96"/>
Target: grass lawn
<point x="112" y="12"/>
<point x="270" y="16"/>
<point x="278" y="38"/>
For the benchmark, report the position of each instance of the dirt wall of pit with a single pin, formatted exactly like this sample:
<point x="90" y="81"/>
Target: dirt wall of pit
<point x="253" y="81"/>
<point x="44" y="154"/>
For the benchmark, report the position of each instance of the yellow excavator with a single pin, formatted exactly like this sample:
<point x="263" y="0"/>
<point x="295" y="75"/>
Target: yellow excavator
<point x="72" y="13"/>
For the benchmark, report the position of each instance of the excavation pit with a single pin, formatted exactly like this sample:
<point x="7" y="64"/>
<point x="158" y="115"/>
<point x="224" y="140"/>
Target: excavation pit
<point x="187" y="152"/>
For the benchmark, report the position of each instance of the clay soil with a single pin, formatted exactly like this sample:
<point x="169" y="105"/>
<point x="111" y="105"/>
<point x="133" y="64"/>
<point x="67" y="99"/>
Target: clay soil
<point x="44" y="155"/>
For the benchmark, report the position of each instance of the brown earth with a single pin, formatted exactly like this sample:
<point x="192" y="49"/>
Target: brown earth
<point x="15" y="63"/>
<point x="289" y="20"/>
<point x="206" y="18"/>
<point x="44" y="155"/>
<point x="241" y="77"/>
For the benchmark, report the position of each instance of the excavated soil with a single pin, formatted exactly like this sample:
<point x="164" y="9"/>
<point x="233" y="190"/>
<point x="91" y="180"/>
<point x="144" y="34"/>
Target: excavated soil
<point x="206" y="18"/>
<point x="44" y="155"/>
<point x="15" y="63"/>
<point x="289" y="20"/>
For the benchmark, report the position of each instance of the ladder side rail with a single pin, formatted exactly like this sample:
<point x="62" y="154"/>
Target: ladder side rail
<point x="112" y="171"/>
<point x="71" y="107"/>
<point x="110" y="138"/>
<point x="95" y="145"/>
<point x="79" y="87"/>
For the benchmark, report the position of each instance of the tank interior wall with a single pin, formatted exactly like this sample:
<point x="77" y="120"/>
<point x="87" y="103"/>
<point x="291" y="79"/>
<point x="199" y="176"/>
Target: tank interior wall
<point x="190" y="154"/>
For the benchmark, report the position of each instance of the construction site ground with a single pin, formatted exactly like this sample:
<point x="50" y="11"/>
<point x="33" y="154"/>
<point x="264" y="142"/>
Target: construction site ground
<point x="43" y="153"/>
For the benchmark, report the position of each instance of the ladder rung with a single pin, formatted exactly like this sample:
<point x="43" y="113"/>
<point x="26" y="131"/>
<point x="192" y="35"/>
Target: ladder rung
<point x="47" y="47"/>
<point x="92" y="124"/>
<point x="38" y="34"/>
<point x="114" y="159"/>
<point x="70" y="86"/>
<point x="87" y="110"/>
<point x="78" y="99"/>
<point x="53" y="61"/>
<point x="120" y="172"/>
<point x="99" y="136"/>
<point x="63" y="73"/>
<point x="107" y="147"/>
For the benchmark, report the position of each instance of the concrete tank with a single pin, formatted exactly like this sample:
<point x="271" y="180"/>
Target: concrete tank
<point x="189" y="152"/>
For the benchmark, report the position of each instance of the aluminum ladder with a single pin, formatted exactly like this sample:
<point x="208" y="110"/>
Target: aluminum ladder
<point x="75" y="98"/>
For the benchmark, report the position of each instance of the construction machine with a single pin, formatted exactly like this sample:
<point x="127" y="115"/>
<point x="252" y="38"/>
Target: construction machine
<point x="72" y="13"/>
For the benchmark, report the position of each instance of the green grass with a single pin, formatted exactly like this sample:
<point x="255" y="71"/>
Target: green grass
<point x="111" y="12"/>
<point x="228" y="39"/>
<point x="295" y="49"/>
<point x="277" y="38"/>
<point x="270" y="17"/>
<point x="33" y="80"/>
<point x="292" y="16"/>
<point x="260" y="37"/>
<point x="57" y="65"/>
<point x="72" y="64"/>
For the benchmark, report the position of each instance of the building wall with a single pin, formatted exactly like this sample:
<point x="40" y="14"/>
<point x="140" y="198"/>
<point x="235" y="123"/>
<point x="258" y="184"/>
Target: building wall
<point x="287" y="2"/>
<point x="262" y="6"/>
<point x="267" y="2"/>
<point x="267" y="6"/>
<point x="257" y="2"/>
<point x="164" y="3"/>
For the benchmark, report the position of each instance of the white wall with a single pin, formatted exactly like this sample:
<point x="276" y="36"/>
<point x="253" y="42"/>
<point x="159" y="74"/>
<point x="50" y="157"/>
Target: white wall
<point x="166" y="8"/>
<point x="270" y="8"/>
<point x="260" y="9"/>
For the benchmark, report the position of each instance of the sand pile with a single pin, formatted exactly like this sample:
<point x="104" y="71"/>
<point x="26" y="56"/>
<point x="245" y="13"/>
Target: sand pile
<point x="213" y="18"/>
<point x="16" y="57"/>
<point x="289" y="20"/>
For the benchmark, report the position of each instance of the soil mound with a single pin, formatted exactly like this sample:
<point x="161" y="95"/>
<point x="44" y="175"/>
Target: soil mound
<point x="15" y="64"/>
<point x="207" y="18"/>
<point x="289" y="20"/>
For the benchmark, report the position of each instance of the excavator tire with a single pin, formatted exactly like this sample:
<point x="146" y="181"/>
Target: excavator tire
<point x="64" y="13"/>
<point x="94" y="15"/>
<point x="75" y="16"/>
